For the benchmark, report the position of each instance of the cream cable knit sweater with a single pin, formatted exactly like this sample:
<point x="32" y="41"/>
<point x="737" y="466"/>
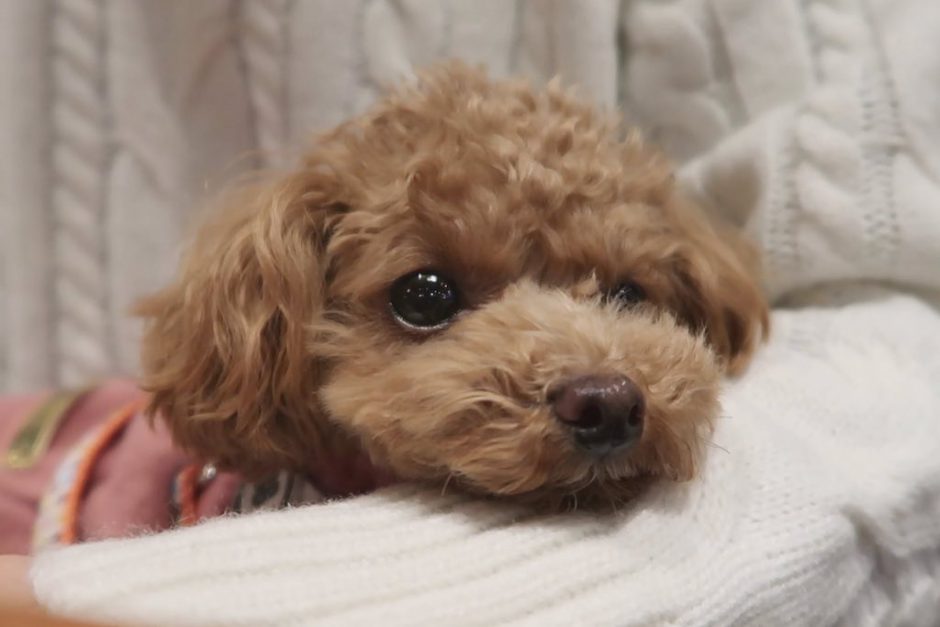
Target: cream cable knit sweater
<point x="814" y="123"/>
<point x="818" y="505"/>
<point x="118" y="118"/>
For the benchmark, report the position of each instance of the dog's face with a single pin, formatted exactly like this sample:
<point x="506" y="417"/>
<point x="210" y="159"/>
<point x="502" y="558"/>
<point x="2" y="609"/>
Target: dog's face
<point x="474" y="283"/>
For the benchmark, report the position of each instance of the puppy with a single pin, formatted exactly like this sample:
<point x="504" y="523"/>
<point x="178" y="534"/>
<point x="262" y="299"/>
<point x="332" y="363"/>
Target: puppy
<point x="474" y="284"/>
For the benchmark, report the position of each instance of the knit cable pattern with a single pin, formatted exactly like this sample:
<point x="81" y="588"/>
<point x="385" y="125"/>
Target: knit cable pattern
<point x="264" y="47"/>
<point x="80" y="159"/>
<point x="842" y="145"/>
<point x="812" y="166"/>
<point x="883" y="137"/>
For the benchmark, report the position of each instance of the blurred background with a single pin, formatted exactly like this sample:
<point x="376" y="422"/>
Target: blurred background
<point x="800" y="120"/>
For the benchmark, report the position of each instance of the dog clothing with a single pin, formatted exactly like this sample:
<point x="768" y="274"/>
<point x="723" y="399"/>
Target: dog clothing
<point x="88" y="465"/>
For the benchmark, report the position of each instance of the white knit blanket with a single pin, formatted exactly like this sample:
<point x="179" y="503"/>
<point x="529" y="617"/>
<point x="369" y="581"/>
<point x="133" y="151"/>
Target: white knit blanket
<point x="815" y="124"/>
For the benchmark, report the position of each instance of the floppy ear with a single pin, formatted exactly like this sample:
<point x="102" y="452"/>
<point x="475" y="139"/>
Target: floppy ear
<point x="717" y="275"/>
<point x="226" y="346"/>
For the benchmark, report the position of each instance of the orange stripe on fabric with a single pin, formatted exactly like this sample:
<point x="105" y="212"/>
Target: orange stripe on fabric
<point x="188" y="482"/>
<point x="112" y="427"/>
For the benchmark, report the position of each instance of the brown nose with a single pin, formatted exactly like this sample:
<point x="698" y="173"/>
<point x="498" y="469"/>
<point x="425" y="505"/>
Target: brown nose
<point x="604" y="412"/>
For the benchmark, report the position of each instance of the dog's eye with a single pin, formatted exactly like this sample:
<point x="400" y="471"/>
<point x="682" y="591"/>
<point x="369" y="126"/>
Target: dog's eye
<point x="424" y="300"/>
<point x="627" y="294"/>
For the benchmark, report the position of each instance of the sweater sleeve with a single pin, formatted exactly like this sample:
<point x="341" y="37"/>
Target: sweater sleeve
<point x="818" y="503"/>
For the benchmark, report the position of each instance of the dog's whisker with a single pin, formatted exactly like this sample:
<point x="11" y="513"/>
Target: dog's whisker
<point x="715" y="446"/>
<point x="446" y="483"/>
<point x="611" y="500"/>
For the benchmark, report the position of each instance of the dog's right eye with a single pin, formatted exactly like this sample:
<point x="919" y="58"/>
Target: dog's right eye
<point x="627" y="294"/>
<point x="424" y="300"/>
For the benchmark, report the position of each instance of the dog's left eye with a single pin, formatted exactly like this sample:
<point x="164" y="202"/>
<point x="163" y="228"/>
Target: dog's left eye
<point x="424" y="300"/>
<point x="627" y="294"/>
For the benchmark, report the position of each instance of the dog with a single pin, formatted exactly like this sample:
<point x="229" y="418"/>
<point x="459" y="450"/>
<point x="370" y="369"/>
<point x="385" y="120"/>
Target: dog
<point x="476" y="285"/>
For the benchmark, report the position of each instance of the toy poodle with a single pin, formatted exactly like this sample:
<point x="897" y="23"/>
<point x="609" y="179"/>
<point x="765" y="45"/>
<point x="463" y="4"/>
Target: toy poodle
<point x="474" y="284"/>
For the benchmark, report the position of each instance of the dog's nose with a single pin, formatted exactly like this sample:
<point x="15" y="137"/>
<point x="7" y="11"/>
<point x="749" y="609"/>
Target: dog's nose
<point x="604" y="412"/>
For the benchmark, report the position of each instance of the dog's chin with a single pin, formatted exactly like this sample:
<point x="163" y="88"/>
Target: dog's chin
<point x="565" y="478"/>
<point x="597" y="491"/>
<point x="594" y="484"/>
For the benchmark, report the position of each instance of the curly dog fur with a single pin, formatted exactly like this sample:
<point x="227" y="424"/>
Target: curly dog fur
<point x="275" y="347"/>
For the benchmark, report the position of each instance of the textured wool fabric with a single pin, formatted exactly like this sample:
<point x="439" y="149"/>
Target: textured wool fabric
<point x="118" y="120"/>
<point x="818" y="505"/>
<point x="813" y="123"/>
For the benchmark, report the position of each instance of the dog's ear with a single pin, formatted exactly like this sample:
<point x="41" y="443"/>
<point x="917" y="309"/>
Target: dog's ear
<point x="716" y="276"/>
<point x="226" y="350"/>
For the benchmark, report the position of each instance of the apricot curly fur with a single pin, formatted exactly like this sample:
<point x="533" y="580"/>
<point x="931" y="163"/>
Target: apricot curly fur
<point x="275" y="346"/>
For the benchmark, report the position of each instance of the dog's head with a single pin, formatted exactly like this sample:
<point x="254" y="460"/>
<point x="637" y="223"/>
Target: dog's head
<point x="473" y="283"/>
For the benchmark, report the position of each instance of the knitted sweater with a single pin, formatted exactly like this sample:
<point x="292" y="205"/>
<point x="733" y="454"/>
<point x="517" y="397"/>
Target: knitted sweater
<point x="818" y="505"/>
<point x="812" y="122"/>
